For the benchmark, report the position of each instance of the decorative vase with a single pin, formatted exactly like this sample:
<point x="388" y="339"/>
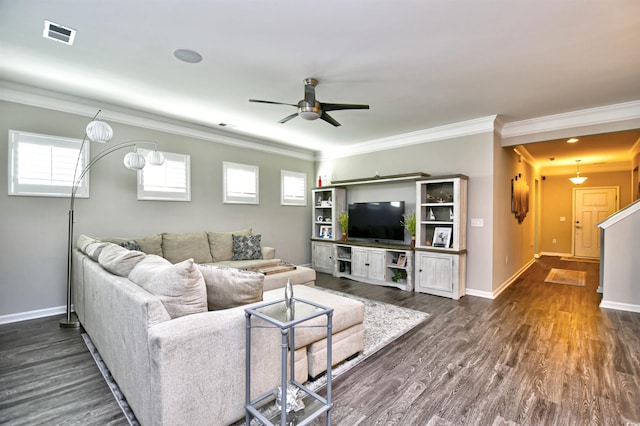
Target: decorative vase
<point x="413" y="241"/>
<point x="344" y="236"/>
<point x="288" y="295"/>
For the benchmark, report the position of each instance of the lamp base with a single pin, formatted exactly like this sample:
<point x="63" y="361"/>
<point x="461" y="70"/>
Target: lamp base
<point x="72" y="322"/>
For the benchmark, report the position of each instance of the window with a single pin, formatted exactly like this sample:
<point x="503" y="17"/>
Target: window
<point x="43" y="165"/>
<point x="170" y="182"/>
<point x="293" y="188"/>
<point x="240" y="183"/>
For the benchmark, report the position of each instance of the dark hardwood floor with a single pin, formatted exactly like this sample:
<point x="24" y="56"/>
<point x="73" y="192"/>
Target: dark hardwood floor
<point x="540" y="354"/>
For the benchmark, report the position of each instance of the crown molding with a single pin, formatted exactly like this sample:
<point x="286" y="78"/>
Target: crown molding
<point x="41" y="98"/>
<point x="434" y="134"/>
<point x="586" y="117"/>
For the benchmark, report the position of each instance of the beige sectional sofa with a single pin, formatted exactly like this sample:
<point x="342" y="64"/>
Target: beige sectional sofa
<point x="173" y="333"/>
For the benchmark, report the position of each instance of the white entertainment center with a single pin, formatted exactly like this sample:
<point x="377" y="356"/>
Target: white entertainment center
<point x="437" y="264"/>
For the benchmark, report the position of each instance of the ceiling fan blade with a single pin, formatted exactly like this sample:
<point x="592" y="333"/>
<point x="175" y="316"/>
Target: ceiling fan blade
<point x="289" y="117"/>
<point x="271" y="102"/>
<point x="337" y="107"/>
<point x="326" y="117"/>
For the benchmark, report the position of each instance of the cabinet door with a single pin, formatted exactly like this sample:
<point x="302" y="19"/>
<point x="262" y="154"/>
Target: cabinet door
<point x="359" y="262"/>
<point x="434" y="271"/>
<point x="323" y="257"/>
<point x="377" y="266"/>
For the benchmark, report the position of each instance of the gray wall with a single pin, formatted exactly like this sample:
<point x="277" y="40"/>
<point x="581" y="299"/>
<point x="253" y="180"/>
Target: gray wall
<point x="469" y="155"/>
<point x="34" y="229"/>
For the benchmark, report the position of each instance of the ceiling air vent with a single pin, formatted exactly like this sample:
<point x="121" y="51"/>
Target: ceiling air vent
<point x="59" y="33"/>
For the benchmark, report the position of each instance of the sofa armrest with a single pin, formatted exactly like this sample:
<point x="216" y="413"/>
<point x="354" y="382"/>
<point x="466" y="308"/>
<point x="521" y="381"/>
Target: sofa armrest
<point x="198" y="366"/>
<point x="268" y="252"/>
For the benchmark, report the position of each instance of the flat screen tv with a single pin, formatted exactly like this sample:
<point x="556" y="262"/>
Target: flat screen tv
<point x="376" y="221"/>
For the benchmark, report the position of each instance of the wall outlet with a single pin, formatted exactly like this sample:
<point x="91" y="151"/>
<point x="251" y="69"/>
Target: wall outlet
<point x="563" y="219"/>
<point x="478" y="223"/>
<point x="506" y="260"/>
<point x="554" y="241"/>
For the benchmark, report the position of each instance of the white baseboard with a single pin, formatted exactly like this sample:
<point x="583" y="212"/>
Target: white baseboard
<point x="495" y="293"/>
<point x="514" y="277"/>
<point x="478" y="293"/>
<point x="620" y="306"/>
<point x="29" y="315"/>
<point x="551" y="253"/>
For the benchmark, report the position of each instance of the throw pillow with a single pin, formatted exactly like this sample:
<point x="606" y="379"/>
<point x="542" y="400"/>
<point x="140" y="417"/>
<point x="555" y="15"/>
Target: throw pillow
<point x="221" y="244"/>
<point x="192" y="245"/>
<point x="93" y="249"/>
<point x="229" y="287"/>
<point x="119" y="260"/>
<point x="246" y="247"/>
<point x="180" y="287"/>
<point x="130" y="245"/>
<point x="83" y="241"/>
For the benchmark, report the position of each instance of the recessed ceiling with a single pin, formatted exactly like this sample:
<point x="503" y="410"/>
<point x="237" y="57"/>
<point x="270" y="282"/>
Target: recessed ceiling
<point x="602" y="152"/>
<point x="418" y="65"/>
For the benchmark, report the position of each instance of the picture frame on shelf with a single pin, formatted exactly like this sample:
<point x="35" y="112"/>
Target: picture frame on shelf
<point x="441" y="237"/>
<point x="402" y="260"/>
<point x="326" y="232"/>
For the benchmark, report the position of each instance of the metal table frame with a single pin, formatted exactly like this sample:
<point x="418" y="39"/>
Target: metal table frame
<point x="287" y="322"/>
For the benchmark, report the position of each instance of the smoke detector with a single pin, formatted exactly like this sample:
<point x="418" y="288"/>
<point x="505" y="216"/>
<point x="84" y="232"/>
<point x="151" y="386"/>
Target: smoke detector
<point x="58" y="33"/>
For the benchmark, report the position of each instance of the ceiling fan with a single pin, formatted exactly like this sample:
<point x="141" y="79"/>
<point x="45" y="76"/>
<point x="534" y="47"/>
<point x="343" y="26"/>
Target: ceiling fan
<point x="310" y="109"/>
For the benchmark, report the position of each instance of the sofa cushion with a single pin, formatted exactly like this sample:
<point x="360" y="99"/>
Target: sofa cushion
<point x="246" y="247"/>
<point x="191" y="245"/>
<point x="221" y="243"/>
<point x="151" y="244"/>
<point x="180" y="287"/>
<point x="230" y="287"/>
<point x="119" y="260"/>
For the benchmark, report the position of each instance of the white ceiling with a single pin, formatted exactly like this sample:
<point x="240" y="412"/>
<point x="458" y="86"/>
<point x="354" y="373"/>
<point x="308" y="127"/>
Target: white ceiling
<point x="418" y="64"/>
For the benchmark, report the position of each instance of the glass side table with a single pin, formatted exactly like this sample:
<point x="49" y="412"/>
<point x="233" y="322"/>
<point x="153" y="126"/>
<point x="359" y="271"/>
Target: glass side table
<point x="277" y="315"/>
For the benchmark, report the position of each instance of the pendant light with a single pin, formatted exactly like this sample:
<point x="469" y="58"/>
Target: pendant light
<point x="577" y="180"/>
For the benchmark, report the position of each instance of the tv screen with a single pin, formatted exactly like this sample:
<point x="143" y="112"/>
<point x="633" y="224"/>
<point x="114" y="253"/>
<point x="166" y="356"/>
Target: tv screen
<point x="376" y="220"/>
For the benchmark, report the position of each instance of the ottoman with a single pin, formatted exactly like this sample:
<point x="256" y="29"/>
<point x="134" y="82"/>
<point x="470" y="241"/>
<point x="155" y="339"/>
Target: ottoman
<point x="347" y="328"/>
<point x="300" y="275"/>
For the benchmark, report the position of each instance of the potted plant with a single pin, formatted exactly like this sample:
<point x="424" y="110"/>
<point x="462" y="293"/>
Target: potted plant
<point x="409" y="224"/>
<point x="344" y="224"/>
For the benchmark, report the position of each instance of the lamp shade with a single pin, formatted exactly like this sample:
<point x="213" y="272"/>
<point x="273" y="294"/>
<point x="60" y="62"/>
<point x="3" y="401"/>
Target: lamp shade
<point x="134" y="161"/>
<point x="577" y="180"/>
<point x="99" y="131"/>
<point x="155" y="158"/>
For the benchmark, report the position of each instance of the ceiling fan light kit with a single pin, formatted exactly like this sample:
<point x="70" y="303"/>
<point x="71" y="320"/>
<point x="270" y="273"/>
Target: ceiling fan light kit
<point x="310" y="109"/>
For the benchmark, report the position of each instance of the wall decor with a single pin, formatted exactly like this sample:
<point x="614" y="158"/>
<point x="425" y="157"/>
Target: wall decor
<point x="519" y="197"/>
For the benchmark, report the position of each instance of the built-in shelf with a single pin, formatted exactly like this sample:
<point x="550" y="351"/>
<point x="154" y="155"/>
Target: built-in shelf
<point x="381" y="179"/>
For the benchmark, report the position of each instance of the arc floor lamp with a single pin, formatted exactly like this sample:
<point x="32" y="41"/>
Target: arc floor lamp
<point x="100" y="132"/>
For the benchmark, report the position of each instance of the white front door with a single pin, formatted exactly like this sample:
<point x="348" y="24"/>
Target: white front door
<point x="591" y="206"/>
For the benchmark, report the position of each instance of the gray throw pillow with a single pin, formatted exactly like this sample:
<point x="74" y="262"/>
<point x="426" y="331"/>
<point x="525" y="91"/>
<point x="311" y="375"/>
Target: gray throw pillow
<point x="180" y="287"/>
<point x="94" y="249"/>
<point x="229" y="287"/>
<point x="119" y="260"/>
<point x="246" y="247"/>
